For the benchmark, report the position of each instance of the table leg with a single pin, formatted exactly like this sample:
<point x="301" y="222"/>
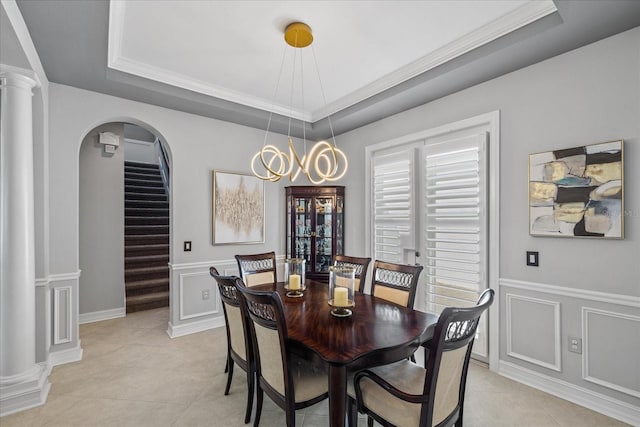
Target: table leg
<point x="337" y="395"/>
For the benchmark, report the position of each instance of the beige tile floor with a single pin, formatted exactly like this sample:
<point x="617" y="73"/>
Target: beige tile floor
<point x="133" y="374"/>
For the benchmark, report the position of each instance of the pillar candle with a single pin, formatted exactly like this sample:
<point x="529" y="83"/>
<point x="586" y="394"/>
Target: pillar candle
<point x="340" y="297"/>
<point x="294" y="281"/>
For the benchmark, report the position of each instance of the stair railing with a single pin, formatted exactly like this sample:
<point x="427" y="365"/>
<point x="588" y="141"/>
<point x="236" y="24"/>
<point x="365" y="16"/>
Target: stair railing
<point x="163" y="160"/>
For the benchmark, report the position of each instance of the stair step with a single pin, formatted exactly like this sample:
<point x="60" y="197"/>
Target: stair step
<point x="143" y="190"/>
<point x="143" y="182"/>
<point x="138" y="286"/>
<point x="145" y="203"/>
<point x="141" y="165"/>
<point x="146" y="212"/>
<point x="139" y="250"/>
<point x="147" y="260"/>
<point x="140" y="196"/>
<point x="145" y="229"/>
<point x="147" y="301"/>
<point x="155" y="176"/>
<point x="144" y="273"/>
<point x="146" y="220"/>
<point x="145" y="240"/>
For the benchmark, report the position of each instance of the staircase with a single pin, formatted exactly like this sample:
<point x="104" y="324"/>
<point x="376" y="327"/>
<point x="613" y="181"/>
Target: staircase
<point x="146" y="237"/>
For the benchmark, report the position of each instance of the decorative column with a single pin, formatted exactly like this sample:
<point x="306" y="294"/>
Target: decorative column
<point x="23" y="383"/>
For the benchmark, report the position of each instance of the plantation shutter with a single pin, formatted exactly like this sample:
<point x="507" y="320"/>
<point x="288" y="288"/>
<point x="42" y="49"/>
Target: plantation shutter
<point x="393" y="205"/>
<point x="455" y="227"/>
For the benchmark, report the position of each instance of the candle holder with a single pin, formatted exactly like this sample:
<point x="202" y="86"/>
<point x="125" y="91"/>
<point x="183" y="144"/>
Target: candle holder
<point x="342" y="291"/>
<point x="294" y="272"/>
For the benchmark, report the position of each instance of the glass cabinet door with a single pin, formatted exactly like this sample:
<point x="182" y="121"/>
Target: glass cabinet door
<point x="324" y="233"/>
<point x="339" y="228"/>
<point x="303" y="231"/>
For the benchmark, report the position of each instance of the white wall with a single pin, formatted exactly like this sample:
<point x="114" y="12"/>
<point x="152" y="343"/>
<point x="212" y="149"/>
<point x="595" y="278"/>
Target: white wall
<point x="586" y="96"/>
<point x="101" y="224"/>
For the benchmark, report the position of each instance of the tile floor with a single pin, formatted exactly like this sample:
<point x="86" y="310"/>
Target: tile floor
<point x="133" y="374"/>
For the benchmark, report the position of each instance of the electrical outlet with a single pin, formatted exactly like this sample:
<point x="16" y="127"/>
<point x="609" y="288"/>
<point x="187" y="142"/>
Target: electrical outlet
<point x="575" y="345"/>
<point x="205" y="294"/>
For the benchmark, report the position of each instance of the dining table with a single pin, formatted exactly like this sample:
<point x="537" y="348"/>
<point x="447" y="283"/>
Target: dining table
<point x="377" y="333"/>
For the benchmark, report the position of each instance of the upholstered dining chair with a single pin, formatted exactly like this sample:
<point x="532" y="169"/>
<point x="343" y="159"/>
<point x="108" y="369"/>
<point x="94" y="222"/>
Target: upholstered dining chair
<point x="291" y="383"/>
<point x="239" y="347"/>
<point x="406" y="394"/>
<point x="257" y="269"/>
<point x="395" y="283"/>
<point x="359" y="264"/>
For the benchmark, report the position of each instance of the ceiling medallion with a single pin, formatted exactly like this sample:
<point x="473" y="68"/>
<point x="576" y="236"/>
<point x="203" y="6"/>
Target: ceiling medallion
<point x="324" y="161"/>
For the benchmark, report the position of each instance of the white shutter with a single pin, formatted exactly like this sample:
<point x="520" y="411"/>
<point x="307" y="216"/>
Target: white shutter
<point x="455" y="227"/>
<point x="393" y="206"/>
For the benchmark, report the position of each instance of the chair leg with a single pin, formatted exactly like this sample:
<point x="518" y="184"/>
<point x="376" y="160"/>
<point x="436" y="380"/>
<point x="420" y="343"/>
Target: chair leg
<point x="250" y="385"/>
<point x="413" y="358"/>
<point x="291" y="416"/>
<point x="352" y="412"/>
<point x="226" y="365"/>
<point x="229" y="377"/>
<point x="256" y="420"/>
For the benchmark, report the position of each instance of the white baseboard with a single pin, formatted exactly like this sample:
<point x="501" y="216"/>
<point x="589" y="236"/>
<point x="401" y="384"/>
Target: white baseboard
<point x="175" y="331"/>
<point x="97" y="316"/>
<point x="66" y="356"/>
<point x="579" y="395"/>
<point x="27" y="394"/>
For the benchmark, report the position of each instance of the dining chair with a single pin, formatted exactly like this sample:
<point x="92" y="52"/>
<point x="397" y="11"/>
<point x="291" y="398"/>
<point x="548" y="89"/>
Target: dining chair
<point x="239" y="348"/>
<point x="360" y="265"/>
<point x="257" y="269"/>
<point x="292" y="383"/>
<point x="406" y="394"/>
<point x="395" y="283"/>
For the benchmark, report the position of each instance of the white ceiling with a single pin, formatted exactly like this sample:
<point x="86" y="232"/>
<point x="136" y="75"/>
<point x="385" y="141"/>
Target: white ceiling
<point x="233" y="50"/>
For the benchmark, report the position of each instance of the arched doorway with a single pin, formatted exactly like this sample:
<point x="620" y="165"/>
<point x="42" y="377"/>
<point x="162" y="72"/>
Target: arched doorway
<point x="124" y="221"/>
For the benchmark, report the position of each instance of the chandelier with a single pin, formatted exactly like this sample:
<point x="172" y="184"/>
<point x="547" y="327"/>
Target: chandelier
<point x="324" y="161"/>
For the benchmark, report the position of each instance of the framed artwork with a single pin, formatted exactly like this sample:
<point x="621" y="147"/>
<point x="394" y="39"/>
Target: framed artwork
<point x="578" y="192"/>
<point x="238" y="208"/>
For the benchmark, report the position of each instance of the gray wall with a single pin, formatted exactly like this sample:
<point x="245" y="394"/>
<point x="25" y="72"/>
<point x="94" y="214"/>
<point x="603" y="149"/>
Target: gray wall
<point x="101" y="223"/>
<point x="586" y="96"/>
<point x="196" y="146"/>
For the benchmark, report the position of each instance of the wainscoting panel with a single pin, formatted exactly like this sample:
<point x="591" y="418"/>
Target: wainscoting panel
<point x="533" y="330"/>
<point x="537" y="321"/>
<point x="62" y="315"/>
<point x="611" y="343"/>
<point x="198" y="295"/>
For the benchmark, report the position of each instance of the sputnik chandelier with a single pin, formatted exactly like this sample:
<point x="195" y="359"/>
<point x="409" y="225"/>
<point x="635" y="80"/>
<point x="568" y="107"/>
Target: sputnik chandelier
<point x="324" y="161"/>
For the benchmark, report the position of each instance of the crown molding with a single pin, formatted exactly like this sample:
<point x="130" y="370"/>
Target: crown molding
<point x="518" y="18"/>
<point x="506" y="24"/>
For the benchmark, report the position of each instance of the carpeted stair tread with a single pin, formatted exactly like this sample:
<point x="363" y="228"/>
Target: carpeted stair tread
<point x="146" y="220"/>
<point x="146" y="203"/>
<point x="147" y="301"/>
<point x="141" y="165"/>
<point x="146" y="229"/>
<point x="147" y="283"/>
<point x="143" y="189"/>
<point x="131" y="199"/>
<point x="146" y="212"/>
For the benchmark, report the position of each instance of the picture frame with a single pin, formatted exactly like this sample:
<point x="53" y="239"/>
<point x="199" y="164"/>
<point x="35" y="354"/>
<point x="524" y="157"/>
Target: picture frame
<point x="578" y="192"/>
<point x="237" y="208"/>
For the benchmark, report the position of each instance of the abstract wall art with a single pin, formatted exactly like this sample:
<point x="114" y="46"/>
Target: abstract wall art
<point x="577" y="192"/>
<point x="238" y="208"/>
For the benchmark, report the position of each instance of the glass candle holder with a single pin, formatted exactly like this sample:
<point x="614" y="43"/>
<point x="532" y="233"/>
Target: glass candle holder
<point x="294" y="271"/>
<point x="342" y="290"/>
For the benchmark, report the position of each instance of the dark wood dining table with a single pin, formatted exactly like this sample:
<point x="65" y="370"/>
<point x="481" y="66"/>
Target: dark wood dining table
<point x="377" y="333"/>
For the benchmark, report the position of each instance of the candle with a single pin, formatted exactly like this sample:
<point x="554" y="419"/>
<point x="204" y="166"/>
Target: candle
<point x="294" y="281"/>
<point x="340" y="297"/>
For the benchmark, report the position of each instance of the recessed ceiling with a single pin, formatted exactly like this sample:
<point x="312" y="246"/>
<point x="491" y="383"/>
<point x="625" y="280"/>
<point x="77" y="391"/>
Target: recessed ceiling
<point x="233" y="50"/>
<point x="221" y="59"/>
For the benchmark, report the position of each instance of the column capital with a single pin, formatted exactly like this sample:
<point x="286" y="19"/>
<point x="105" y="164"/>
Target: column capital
<point x="17" y="77"/>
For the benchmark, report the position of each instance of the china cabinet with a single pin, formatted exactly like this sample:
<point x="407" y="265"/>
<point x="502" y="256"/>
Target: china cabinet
<point x="315" y="227"/>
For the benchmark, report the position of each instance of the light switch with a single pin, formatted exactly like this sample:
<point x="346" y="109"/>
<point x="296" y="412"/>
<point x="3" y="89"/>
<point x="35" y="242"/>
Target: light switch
<point x="532" y="258"/>
<point x="187" y="246"/>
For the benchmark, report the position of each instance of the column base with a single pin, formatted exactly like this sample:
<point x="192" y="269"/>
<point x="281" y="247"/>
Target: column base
<point x="30" y="391"/>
